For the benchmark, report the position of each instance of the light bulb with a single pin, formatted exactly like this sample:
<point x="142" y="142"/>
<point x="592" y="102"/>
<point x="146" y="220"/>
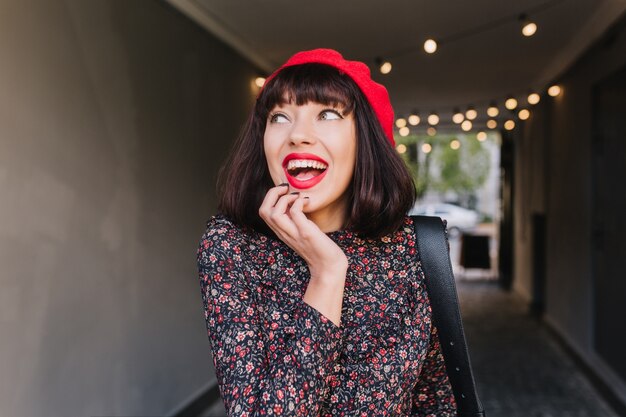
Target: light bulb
<point x="427" y="147"/>
<point x="400" y="122"/>
<point x="554" y="90"/>
<point x="492" y="124"/>
<point x="433" y="119"/>
<point x="455" y="144"/>
<point x="533" y="98"/>
<point x="481" y="136"/>
<point x="529" y="28"/>
<point x="523" y="114"/>
<point x="466" y="126"/>
<point x="458" y="117"/>
<point x="509" y="125"/>
<point x="401" y="148"/>
<point x="471" y="113"/>
<point x="431" y="131"/>
<point x="404" y="131"/>
<point x="430" y="46"/>
<point x="385" y="67"/>
<point x="259" y="81"/>
<point x="414" y="119"/>
<point x="493" y="111"/>
<point x="510" y="103"/>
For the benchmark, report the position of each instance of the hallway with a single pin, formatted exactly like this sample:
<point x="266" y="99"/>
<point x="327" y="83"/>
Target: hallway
<point x="521" y="371"/>
<point x="520" y="368"/>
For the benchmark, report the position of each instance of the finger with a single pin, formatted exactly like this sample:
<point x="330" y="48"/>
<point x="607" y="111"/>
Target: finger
<point x="299" y="218"/>
<point x="279" y="216"/>
<point x="283" y="203"/>
<point x="270" y="199"/>
<point x="274" y="193"/>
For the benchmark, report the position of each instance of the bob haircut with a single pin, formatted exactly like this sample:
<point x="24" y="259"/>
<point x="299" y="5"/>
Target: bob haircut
<point x="382" y="190"/>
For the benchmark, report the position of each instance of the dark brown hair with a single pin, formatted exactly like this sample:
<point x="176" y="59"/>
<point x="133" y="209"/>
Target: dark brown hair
<point x="382" y="189"/>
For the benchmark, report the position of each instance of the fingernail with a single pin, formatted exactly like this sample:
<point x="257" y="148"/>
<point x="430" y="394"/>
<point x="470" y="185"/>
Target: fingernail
<point x="295" y="192"/>
<point x="283" y="184"/>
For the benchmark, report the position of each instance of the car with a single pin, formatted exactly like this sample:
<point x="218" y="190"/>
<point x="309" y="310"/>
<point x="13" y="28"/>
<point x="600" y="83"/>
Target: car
<point x="459" y="219"/>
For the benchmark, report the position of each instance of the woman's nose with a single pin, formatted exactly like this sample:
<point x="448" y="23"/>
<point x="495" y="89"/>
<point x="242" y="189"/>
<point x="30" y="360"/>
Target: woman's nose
<point x="302" y="132"/>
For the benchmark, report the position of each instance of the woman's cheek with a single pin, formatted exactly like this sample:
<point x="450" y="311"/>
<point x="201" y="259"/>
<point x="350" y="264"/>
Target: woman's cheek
<point x="277" y="175"/>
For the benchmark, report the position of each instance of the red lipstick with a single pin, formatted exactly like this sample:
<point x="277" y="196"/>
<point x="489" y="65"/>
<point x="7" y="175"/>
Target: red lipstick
<point x="300" y="184"/>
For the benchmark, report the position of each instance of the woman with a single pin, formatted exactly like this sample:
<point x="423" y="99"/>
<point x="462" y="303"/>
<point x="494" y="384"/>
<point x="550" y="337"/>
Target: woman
<point x="315" y="302"/>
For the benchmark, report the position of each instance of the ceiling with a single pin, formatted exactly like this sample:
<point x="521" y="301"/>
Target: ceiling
<point x="486" y="57"/>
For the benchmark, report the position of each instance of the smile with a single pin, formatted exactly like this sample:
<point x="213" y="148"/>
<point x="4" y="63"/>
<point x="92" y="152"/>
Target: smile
<point x="304" y="170"/>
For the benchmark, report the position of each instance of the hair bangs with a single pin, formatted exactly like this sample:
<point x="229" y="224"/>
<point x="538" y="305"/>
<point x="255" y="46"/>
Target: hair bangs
<point x="301" y="84"/>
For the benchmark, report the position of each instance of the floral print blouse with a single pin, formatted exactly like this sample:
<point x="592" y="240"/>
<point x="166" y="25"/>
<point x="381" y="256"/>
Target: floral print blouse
<point x="275" y="355"/>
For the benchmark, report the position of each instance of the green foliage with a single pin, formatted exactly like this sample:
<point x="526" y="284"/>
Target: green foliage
<point x="444" y="169"/>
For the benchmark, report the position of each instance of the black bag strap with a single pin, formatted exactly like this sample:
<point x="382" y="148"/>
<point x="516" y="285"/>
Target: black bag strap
<point x="432" y="248"/>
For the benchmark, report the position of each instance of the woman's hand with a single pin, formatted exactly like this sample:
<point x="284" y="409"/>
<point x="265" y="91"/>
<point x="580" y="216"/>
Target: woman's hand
<point x="283" y="214"/>
<point x="326" y="261"/>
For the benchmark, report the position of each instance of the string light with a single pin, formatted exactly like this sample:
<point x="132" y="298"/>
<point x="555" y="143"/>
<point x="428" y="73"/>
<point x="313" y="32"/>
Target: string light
<point x="529" y="28"/>
<point x="533" y="98"/>
<point x="455" y="144"/>
<point x="400" y="122"/>
<point x="259" y="81"/>
<point x="426" y="147"/>
<point x="383" y="66"/>
<point x="430" y="46"/>
<point x="510" y="103"/>
<point x="523" y="114"/>
<point x="554" y="90"/>
<point x="401" y="148"/>
<point x="404" y="131"/>
<point x="465" y="119"/>
<point x="481" y="136"/>
<point x="431" y="131"/>
<point x="471" y="113"/>
<point x="493" y="110"/>
<point x="457" y="117"/>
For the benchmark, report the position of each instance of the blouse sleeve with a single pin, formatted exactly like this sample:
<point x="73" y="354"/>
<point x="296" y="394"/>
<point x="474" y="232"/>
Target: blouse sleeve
<point x="280" y="366"/>
<point x="432" y="396"/>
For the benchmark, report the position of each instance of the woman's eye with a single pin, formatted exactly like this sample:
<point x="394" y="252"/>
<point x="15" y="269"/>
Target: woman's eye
<point x="330" y="115"/>
<point x="278" y="118"/>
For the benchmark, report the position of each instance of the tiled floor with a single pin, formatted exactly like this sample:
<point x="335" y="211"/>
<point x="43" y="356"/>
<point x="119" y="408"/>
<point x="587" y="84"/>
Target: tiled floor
<point x="520" y="370"/>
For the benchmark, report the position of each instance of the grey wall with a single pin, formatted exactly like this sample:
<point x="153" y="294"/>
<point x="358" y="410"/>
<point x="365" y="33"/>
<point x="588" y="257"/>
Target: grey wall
<point x="114" y="118"/>
<point x="554" y="175"/>
<point x="531" y="155"/>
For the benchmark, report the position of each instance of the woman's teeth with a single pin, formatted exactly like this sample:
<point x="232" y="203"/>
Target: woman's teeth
<point x="305" y="163"/>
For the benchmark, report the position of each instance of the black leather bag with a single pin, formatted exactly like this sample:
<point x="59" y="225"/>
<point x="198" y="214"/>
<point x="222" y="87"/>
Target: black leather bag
<point x="432" y="248"/>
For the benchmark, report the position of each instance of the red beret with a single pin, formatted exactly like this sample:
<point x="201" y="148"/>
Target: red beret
<point x="376" y="94"/>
